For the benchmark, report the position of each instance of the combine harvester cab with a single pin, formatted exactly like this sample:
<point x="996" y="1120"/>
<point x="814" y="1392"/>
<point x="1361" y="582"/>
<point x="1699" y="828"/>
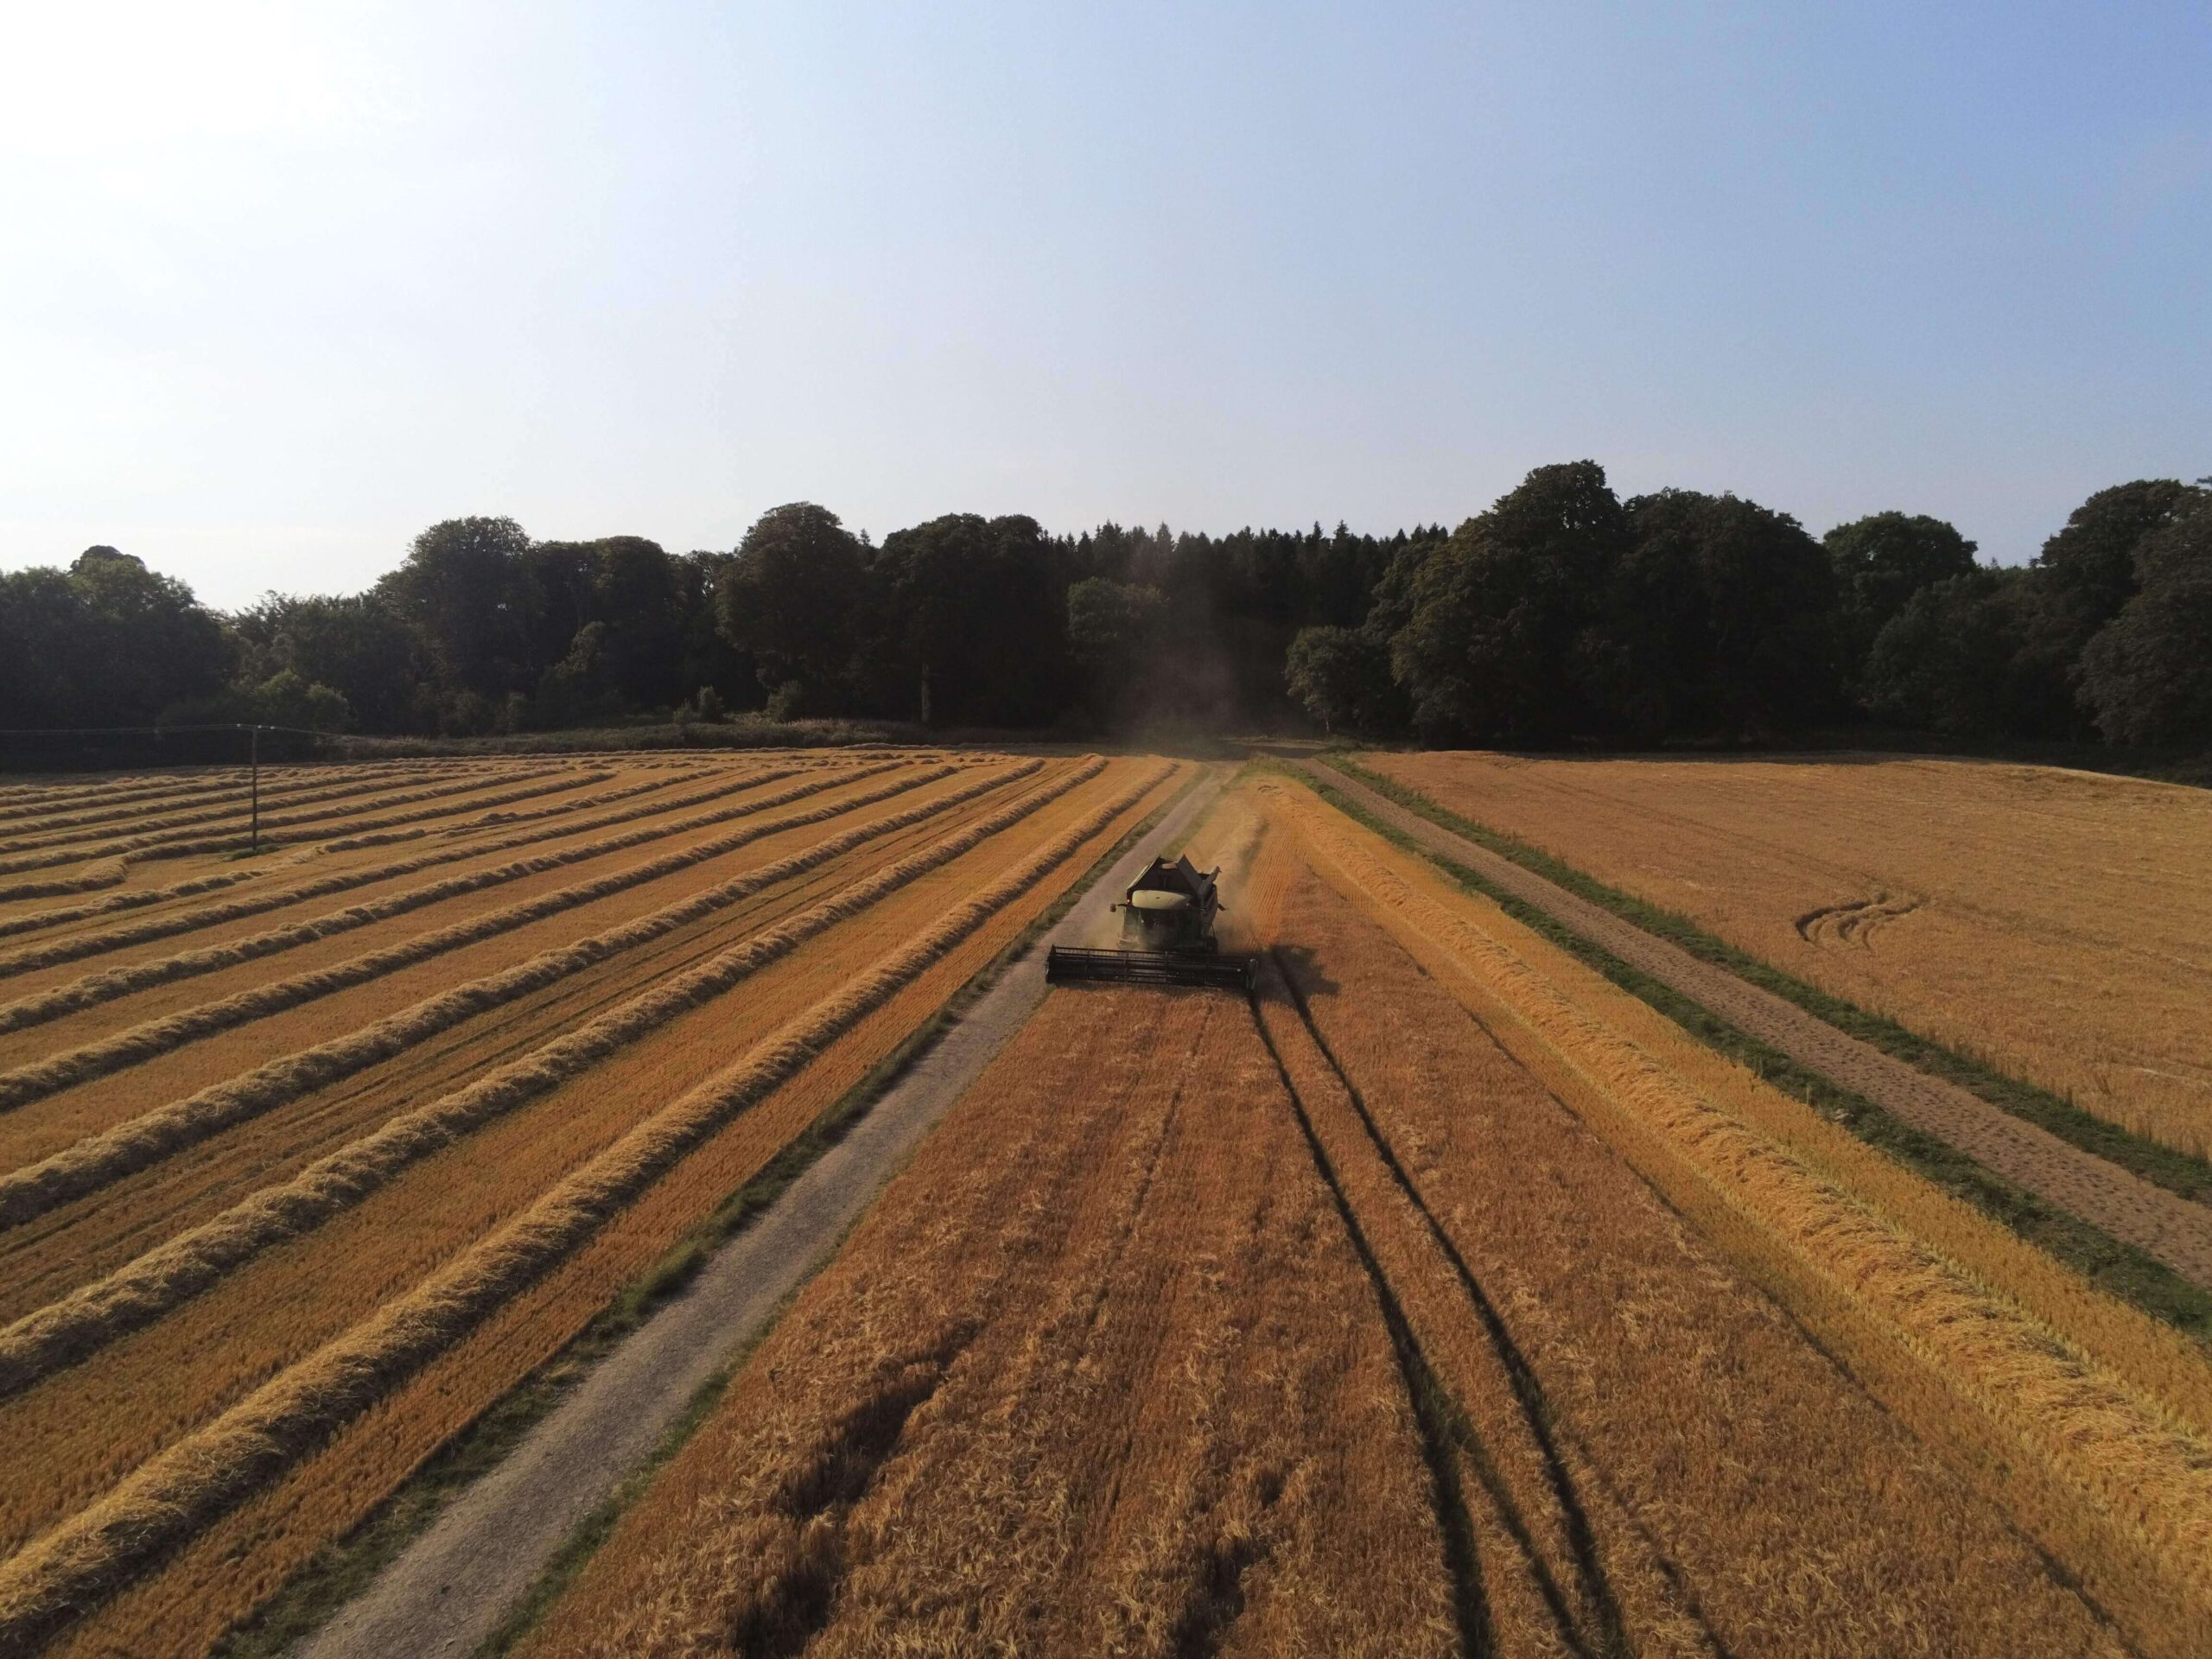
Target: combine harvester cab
<point x="1167" y="918"/>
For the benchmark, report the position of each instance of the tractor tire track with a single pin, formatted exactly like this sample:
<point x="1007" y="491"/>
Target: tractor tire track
<point x="1425" y="1394"/>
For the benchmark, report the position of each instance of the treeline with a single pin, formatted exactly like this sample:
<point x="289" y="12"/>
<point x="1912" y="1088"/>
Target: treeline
<point x="1562" y="614"/>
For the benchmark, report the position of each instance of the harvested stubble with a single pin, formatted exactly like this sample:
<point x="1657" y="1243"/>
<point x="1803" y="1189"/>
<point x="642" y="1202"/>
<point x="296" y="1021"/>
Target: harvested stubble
<point x="138" y="1043"/>
<point x="51" y="953"/>
<point x="110" y="872"/>
<point x="92" y="1424"/>
<point x="233" y="802"/>
<point x="197" y="1480"/>
<point x="1098" y="1374"/>
<point x="441" y="804"/>
<point x="91" y="989"/>
<point x="275" y="794"/>
<point x="1769" y="1506"/>
<point x="65" y="1332"/>
<point x="133" y="1144"/>
<point x="277" y="1310"/>
<point x="16" y="804"/>
<point x="228" y="1568"/>
<point x="183" y="1192"/>
<point x="2059" y="923"/>
<point x="2078" y="1448"/>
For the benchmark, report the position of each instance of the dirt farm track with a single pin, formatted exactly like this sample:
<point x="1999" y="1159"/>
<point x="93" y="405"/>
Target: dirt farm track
<point x="1443" y="1296"/>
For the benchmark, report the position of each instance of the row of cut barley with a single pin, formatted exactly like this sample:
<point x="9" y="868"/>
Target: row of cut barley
<point x="140" y="1043"/>
<point x="80" y="1430"/>
<point x="181" y="1492"/>
<point x="109" y="872"/>
<point x="79" y="946"/>
<point x="2085" y="1440"/>
<point x="16" y="804"/>
<point x="87" y="1165"/>
<point x="277" y="794"/>
<point x="134" y="788"/>
<point x="225" y="1569"/>
<point x="91" y="989"/>
<point x="192" y="841"/>
<point x="144" y="1289"/>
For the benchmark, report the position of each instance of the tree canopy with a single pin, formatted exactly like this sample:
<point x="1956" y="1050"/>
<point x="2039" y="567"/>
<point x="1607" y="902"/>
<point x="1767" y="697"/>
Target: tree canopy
<point x="1560" y="615"/>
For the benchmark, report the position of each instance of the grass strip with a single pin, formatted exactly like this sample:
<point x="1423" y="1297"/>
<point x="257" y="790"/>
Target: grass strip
<point x="2121" y="1270"/>
<point x="2167" y="1167"/>
<point x="343" y="1569"/>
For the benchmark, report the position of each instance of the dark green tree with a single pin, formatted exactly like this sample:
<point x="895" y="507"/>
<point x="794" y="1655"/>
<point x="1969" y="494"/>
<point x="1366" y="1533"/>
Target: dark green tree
<point x="1493" y="647"/>
<point x="1115" y="633"/>
<point x="105" y="643"/>
<point x="462" y="591"/>
<point x="1341" y="676"/>
<point x="1880" y="562"/>
<point x="794" y="598"/>
<point x="2147" y="674"/>
<point x="1950" y="660"/>
<point x="355" y="645"/>
<point x="966" y="609"/>
<point x="634" y="593"/>
<point x="1717" y="622"/>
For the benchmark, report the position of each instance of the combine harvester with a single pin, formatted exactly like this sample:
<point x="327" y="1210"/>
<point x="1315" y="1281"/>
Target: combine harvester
<point x="1167" y="918"/>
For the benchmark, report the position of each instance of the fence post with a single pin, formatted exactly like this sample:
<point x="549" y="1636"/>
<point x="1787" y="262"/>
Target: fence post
<point x="253" y="750"/>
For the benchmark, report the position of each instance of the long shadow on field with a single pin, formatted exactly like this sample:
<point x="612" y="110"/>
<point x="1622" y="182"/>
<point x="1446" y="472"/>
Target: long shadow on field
<point x="797" y="1601"/>
<point x="1607" y="1633"/>
<point x="1478" y="1637"/>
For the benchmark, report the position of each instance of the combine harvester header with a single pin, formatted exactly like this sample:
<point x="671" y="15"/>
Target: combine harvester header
<point x="1167" y="918"/>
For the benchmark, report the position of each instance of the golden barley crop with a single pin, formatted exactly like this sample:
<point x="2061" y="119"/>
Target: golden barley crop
<point x="1099" y="1374"/>
<point x="2057" y="923"/>
<point x="76" y="947"/>
<point x="276" y="1425"/>
<point x="137" y="1043"/>
<point x="132" y="1144"/>
<point x="2097" y="1462"/>
<point x="194" y="838"/>
<point x="152" y="1285"/>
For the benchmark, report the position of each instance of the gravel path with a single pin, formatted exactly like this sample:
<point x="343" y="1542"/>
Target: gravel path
<point x="448" y="1590"/>
<point x="2173" y="1228"/>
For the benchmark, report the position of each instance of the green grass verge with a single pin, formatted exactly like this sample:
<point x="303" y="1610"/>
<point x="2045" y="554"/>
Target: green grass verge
<point x="2177" y="1171"/>
<point x="2131" y="1274"/>
<point x="346" y="1568"/>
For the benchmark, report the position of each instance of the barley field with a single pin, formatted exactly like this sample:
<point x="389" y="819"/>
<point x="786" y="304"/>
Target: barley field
<point x="1440" y="1299"/>
<point x="2057" y="924"/>
<point x="307" y="1158"/>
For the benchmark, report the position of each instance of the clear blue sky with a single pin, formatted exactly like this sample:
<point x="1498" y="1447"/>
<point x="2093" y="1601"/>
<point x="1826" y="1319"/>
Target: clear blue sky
<point x="280" y="284"/>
